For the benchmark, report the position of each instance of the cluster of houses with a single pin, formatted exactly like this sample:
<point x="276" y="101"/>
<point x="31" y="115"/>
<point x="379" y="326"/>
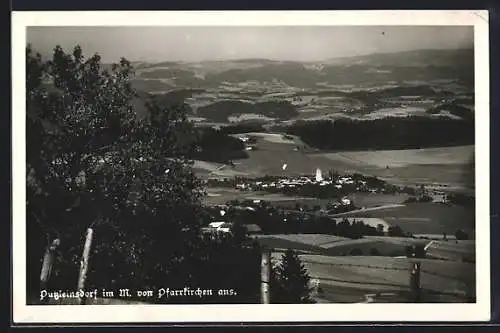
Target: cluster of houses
<point x="250" y="142"/>
<point x="345" y="201"/>
<point x="297" y="181"/>
<point x="216" y="229"/>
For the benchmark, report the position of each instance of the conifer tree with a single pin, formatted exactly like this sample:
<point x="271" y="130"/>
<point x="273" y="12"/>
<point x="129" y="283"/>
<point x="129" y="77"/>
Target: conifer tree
<point x="290" y="280"/>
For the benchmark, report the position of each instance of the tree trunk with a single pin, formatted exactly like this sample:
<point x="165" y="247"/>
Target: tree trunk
<point x="48" y="263"/>
<point x="265" y="271"/>
<point x="415" y="282"/>
<point x="84" y="263"/>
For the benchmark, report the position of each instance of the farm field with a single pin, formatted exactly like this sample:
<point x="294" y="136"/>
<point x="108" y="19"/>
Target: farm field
<point x="377" y="199"/>
<point x="219" y="196"/>
<point x="435" y="166"/>
<point x="452" y="250"/>
<point x="273" y="151"/>
<point x="279" y="244"/>
<point x="401" y="158"/>
<point x="425" y="218"/>
<point x="364" y="246"/>
<point x="445" y="165"/>
<point x="337" y="246"/>
<point x="205" y="169"/>
<point x="366" y="210"/>
<point x="385" y="274"/>
<point x="275" y="138"/>
<point x="448" y="166"/>
<point x="330" y="245"/>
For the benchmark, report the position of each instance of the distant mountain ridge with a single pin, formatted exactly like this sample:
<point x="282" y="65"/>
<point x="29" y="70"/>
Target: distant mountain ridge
<point x="422" y="57"/>
<point x="416" y="65"/>
<point x="407" y="58"/>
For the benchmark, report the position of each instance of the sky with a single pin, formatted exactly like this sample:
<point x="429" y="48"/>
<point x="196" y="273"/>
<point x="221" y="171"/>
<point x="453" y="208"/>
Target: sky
<point x="297" y="43"/>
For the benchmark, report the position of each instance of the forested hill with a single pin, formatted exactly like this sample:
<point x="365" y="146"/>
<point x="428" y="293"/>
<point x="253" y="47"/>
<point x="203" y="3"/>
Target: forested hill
<point x="387" y="133"/>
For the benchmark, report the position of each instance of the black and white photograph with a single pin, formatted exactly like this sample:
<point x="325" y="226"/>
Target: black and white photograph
<point x="271" y="162"/>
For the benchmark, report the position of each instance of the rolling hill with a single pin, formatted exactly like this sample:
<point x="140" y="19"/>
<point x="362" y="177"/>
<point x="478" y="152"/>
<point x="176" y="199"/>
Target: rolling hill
<point x="409" y="65"/>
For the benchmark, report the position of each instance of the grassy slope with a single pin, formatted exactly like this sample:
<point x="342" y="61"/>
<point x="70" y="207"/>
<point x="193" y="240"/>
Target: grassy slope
<point x="388" y="246"/>
<point x="426" y="218"/>
<point x="426" y="166"/>
<point x="354" y="276"/>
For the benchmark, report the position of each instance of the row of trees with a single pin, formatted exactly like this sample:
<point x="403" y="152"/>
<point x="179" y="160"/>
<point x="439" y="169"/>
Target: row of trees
<point x="272" y="220"/>
<point x="242" y="128"/>
<point x="216" y="146"/>
<point x="221" y="110"/>
<point x="462" y="199"/>
<point x="92" y="162"/>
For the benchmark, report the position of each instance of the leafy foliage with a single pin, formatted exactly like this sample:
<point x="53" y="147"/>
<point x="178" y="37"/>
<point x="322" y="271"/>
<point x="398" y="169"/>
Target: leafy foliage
<point x="396" y="231"/>
<point x="92" y="162"/>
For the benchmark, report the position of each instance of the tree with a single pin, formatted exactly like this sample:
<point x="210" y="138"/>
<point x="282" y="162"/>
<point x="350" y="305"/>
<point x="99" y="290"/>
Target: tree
<point x="422" y="191"/>
<point x="333" y="174"/>
<point x="425" y="198"/>
<point x="92" y="162"/>
<point x="396" y="231"/>
<point x="290" y="281"/>
<point x="409" y="251"/>
<point x="419" y="251"/>
<point x="461" y="235"/>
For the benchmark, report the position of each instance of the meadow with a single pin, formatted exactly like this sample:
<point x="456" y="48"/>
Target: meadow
<point x="399" y="158"/>
<point x="220" y="196"/>
<point x="426" y="218"/>
<point x="450" y="250"/>
<point x="355" y="276"/>
<point x="336" y="246"/>
<point x="447" y="166"/>
<point x="377" y="199"/>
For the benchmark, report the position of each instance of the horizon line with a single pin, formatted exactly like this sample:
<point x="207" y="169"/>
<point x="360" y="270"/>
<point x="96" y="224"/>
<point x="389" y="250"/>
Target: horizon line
<point x="469" y="48"/>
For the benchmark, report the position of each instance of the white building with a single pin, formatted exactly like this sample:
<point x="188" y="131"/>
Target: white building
<point x="224" y="227"/>
<point x="319" y="176"/>
<point x="215" y="225"/>
<point x="345" y="201"/>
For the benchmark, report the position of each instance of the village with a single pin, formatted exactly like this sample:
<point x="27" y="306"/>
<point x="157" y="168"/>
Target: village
<point x="335" y="190"/>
